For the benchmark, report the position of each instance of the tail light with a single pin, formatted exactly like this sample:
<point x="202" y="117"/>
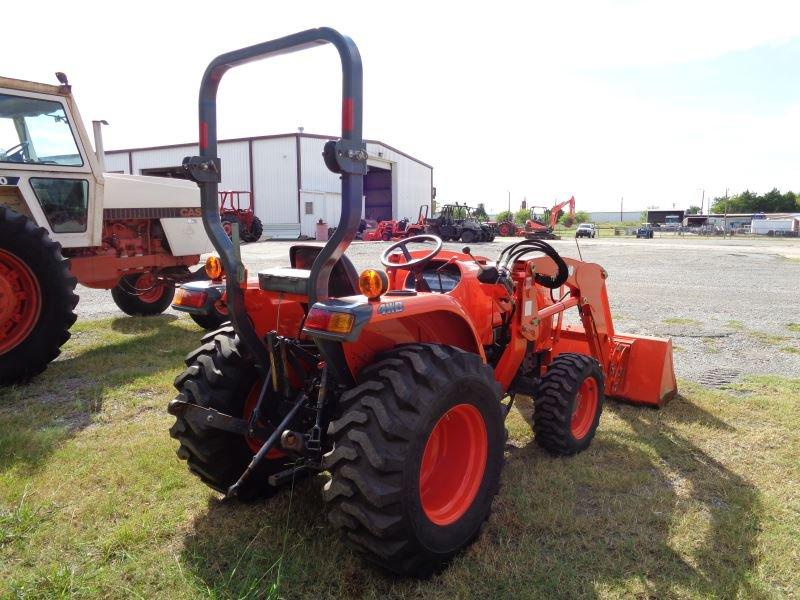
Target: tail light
<point x="332" y="322"/>
<point x="190" y="298"/>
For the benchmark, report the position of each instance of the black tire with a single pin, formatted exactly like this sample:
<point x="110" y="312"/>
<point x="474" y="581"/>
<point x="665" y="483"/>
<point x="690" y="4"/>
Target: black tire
<point x="379" y="440"/>
<point x="468" y="236"/>
<point x="211" y="321"/>
<point x="255" y="231"/>
<point x="555" y="403"/>
<point x="219" y="376"/>
<point x="21" y="238"/>
<point x="230" y="220"/>
<point x="137" y="305"/>
<point x="386" y="237"/>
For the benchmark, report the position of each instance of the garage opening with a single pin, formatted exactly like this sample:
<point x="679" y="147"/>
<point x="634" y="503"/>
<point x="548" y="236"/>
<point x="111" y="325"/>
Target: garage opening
<point x="173" y="172"/>
<point x="378" y="194"/>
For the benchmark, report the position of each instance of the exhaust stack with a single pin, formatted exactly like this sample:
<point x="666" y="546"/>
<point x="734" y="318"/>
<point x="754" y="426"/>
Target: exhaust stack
<point x="98" y="143"/>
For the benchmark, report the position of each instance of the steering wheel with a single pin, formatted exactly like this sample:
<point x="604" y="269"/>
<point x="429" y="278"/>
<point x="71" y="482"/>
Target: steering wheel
<point x="411" y="264"/>
<point x="14" y="150"/>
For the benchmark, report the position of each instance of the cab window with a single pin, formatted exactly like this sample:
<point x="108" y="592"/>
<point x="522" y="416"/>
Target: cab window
<point x="65" y="202"/>
<point x="36" y="132"/>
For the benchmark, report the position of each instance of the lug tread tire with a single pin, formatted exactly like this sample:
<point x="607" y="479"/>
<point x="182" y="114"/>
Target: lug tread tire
<point x="380" y="418"/>
<point x="254" y="233"/>
<point x="554" y="401"/>
<point x="218" y="376"/>
<point x="32" y="244"/>
<point x="132" y="305"/>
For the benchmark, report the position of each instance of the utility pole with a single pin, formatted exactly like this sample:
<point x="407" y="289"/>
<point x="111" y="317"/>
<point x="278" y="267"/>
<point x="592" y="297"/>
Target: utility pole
<point x="702" y="201"/>
<point x="621" y="200"/>
<point x="509" y="200"/>
<point x="725" y="217"/>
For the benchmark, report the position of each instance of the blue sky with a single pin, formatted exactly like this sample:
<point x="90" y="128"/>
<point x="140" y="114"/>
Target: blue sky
<point x="758" y="81"/>
<point x="654" y="101"/>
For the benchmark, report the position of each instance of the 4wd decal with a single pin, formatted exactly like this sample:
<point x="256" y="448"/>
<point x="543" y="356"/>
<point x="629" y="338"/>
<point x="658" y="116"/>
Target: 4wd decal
<point x="388" y="308"/>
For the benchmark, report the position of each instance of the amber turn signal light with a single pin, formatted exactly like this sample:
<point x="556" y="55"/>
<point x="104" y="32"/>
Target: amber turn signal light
<point x="214" y="268"/>
<point x="373" y="283"/>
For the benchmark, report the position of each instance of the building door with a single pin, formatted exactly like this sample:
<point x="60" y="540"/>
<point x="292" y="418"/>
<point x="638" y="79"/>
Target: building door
<point x="378" y="193"/>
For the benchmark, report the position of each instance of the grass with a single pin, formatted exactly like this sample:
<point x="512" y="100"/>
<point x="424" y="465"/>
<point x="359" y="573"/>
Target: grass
<point x="696" y="500"/>
<point x="794" y="327"/>
<point x="680" y="321"/>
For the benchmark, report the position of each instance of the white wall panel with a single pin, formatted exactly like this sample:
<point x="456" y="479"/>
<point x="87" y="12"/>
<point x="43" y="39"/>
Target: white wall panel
<point x="235" y="166"/>
<point x="117" y="162"/>
<point x="315" y="175"/>
<point x="275" y="181"/>
<point x="161" y="157"/>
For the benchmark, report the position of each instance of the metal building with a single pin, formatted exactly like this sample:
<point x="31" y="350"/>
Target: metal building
<point x="290" y="185"/>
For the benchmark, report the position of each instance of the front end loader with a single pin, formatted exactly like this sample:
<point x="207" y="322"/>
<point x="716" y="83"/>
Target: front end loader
<point x="396" y="380"/>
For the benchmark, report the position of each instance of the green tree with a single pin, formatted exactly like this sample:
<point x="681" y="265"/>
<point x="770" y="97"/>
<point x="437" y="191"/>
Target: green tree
<point x="522" y="215"/>
<point x="506" y="215"/>
<point x="480" y="212"/>
<point x="581" y="216"/>
<point x="693" y="210"/>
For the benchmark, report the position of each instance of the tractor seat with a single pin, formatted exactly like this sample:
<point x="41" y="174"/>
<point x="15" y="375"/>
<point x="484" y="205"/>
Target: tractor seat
<point x="294" y="279"/>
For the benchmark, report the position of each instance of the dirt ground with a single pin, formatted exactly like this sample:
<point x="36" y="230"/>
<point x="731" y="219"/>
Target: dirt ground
<point x="730" y="306"/>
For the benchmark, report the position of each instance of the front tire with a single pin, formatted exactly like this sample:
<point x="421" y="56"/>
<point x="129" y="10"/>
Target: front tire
<point x="417" y="456"/>
<point x="568" y="404"/>
<point x="140" y="295"/>
<point x="37" y="298"/>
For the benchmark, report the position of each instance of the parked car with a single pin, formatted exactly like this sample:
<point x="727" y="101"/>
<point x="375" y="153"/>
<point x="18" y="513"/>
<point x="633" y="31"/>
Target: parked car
<point x="645" y="231"/>
<point x="586" y="230"/>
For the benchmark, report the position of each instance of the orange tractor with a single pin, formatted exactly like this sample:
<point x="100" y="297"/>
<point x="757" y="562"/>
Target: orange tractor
<point x="397" y="381"/>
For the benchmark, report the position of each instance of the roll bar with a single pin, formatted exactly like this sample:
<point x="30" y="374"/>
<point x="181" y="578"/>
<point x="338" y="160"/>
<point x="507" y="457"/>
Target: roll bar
<point x="347" y="156"/>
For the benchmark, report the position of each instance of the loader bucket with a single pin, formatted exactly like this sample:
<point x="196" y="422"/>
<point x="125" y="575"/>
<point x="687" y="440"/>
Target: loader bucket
<point x="639" y="368"/>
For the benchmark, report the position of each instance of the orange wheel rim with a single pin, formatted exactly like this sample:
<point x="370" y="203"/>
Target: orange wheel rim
<point x="453" y="464"/>
<point x="585" y="408"/>
<point x="20" y="301"/>
<point x="151" y="290"/>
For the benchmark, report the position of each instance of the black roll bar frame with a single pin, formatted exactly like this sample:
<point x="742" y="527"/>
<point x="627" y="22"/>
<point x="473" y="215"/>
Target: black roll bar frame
<point x="347" y="156"/>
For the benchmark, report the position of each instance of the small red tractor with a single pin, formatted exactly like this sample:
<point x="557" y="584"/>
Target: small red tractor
<point x="385" y="231"/>
<point x="233" y="210"/>
<point x="396" y="382"/>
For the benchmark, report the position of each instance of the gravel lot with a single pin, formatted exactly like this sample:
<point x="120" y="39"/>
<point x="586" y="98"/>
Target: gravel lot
<point x="727" y="304"/>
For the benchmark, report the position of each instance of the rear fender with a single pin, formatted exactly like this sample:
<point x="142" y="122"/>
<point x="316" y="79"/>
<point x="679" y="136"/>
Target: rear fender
<point x="395" y="320"/>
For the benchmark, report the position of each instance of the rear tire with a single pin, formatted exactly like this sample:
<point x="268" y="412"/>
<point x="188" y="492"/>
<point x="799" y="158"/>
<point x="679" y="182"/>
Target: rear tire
<point x="568" y="404"/>
<point x="255" y="231"/>
<point x="408" y="488"/>
<point x="153" y="301"/>
<point x="211" y="321"/>
<point x="219" y="376"/>
<point x="468" y="236"/>
<point x="31" y="263"/>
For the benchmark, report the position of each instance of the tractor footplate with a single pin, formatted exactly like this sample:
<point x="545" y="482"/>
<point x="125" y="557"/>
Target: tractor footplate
<point x="208" y="417"/>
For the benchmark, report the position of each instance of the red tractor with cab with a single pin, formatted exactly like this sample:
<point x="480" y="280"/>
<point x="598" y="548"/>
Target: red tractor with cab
<point x="397" y="380"/>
